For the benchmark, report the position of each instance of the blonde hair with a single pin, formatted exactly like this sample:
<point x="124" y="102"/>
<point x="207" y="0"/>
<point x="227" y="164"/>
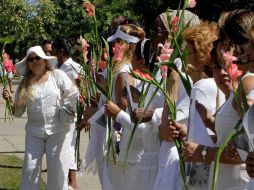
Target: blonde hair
<point x="132" y="30"/>
<point x="25" y="88"/>
<point x="201" y="38"/>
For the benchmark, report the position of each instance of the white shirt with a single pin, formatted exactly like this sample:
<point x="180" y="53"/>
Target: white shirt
<point x="71" y="68"/>
<point x="43" y="109"/>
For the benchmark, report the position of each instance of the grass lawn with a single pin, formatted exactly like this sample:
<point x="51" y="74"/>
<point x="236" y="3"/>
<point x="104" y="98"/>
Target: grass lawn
<point x="10" y="172"/>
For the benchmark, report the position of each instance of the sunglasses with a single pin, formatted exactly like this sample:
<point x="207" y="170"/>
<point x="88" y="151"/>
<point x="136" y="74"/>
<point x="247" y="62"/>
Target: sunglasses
<point x="153" y="31"/>
<point x="31" y="59"/>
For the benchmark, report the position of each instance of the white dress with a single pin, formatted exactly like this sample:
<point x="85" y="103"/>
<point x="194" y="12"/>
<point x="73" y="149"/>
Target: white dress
<point x="122" y="177"/>
<point x="205" y="92"/>
<point x="72" y="69"/>
<point x="169" y="176"/>
<point x="229" y="176"/>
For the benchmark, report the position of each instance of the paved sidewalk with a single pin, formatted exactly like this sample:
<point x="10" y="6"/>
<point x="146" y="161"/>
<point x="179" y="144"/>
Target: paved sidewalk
<point x="12" y="138"/>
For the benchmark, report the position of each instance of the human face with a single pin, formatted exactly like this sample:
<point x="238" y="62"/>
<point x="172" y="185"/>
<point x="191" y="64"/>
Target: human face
<point x="47" y="48"/>
<point x="36" y="64"/>
<point x="159" y="34"/>
<point x="192" y="57"/>
<point x="222" y="79"/>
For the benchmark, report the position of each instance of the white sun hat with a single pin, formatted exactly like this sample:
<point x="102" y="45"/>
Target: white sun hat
<point x="121" y="35"/>
<point x="21" y="66"/>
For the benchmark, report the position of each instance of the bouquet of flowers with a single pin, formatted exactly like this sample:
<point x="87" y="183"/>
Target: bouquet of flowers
<point x="8" y="115"/>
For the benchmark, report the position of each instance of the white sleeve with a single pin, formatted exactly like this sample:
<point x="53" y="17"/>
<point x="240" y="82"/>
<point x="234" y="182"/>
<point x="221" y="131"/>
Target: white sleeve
<point x="124" y="119"/>
<point x="69" y="91"/>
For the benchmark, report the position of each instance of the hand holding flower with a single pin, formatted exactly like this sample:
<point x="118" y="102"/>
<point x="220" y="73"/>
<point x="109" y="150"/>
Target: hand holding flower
<point x="168" y="133"/>
<point x="250" y="164"/>
<point x="111" y="109"/>
<point x="139" y="113"/>
<point x="192" y="152"/>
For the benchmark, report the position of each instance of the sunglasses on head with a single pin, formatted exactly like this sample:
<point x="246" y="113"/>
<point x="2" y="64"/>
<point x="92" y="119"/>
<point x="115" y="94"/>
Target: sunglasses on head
<point x="31" y="59"/>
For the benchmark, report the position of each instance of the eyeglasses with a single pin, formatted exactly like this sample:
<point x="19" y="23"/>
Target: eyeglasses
<point x="31" y="59"/>
<point x="152" y="31"/>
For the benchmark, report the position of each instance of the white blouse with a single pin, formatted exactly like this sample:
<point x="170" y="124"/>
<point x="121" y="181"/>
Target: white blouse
<point x="48" y="98"/>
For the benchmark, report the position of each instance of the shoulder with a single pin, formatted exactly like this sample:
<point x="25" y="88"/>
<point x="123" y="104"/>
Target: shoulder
<point x="248" y="83"/>
<point x="58" y="74"/>
<point x="205" y="84"/>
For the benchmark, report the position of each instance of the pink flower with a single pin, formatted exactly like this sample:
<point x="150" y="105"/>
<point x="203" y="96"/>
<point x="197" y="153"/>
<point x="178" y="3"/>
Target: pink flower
<point x="92" y="67"/>
<point x="143" y="75"/>
<point x="84" y="46"/>
<point x="229" y="58"/>
<point x="89" y="8"/>
<point x="191" y="3"/>
<point x="102" y="64"/>
<point x="105" y="55"/>
<point x="118" y="51"/>
<point x="164" y="71"/>
<point x="175" y="20"/>
<point x="233" y="71"/>
<point x="166" y="52"/>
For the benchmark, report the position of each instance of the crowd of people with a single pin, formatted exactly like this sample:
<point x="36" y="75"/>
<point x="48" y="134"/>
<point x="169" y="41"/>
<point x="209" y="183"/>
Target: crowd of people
<point x="49" y="91"/>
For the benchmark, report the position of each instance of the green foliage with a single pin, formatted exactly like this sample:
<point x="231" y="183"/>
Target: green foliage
<point x="31" y="21"/>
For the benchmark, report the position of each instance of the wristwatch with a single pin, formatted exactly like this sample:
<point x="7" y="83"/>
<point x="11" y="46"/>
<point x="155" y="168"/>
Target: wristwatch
<point x="204" y="153"/>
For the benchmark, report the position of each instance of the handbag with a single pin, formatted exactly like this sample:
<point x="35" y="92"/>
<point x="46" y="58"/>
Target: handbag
<point x="66" y="116"/>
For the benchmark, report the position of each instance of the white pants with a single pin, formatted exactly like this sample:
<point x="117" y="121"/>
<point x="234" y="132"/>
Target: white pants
<point x="57" y="148"/>
<point x="73" y="161"/>
<point x="121" y="177"/>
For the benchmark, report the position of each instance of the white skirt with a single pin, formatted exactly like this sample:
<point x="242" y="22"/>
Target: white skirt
<point x="169" y="175"/>
<point x="147" y="171"/>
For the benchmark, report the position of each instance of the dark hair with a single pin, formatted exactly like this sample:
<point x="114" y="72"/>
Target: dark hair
<point x="237" y="26"/>
<point x="44" y="42"/>
<point x="144" y="52"/>
<point x="61" y="43"/>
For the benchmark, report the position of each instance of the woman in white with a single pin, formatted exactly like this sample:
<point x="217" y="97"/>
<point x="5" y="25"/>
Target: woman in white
<point x="232" y="173"/>
<point x="43" y="92"/>
<point x="169" y="172"/>
<point x="120" y="176"/>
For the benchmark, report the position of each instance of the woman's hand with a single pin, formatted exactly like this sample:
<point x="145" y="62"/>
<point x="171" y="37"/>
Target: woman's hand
<point x="111" y="109"/>
<point x="168" y="133"/>
<point x="182" y="129"/>
<point x="192" y="152"/>
<point x="6" y="94"/>
<point x="250" y="164"/>
<point x="139" y="113"/>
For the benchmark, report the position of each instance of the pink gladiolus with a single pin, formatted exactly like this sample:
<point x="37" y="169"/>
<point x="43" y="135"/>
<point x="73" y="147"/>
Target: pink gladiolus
<point x="192" y="3"/>
<point x="118" y="51"/>
<point x="105" y="55"/>
<point x="229" y="58"/>
<point x="175" y="29"/>
<point x="84" y="46"/>
<point x="89" y="8"/>
<point x="166" y="52"/>
<point x="164" y="71"/>
<point x="143" y="75"/>
<point x="92" y="67"/>
<point x="102" y="64"/>
<point x="233" y="71"/>
<point x="175" y="20"/>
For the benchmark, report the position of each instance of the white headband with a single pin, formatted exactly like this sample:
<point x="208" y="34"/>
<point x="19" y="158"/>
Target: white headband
<point x="120" y="34"/>
<point x="142" y="48"/>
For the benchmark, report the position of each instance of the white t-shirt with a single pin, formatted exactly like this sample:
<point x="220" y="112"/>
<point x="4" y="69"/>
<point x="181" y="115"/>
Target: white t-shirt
<point x="71" y="68"/>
